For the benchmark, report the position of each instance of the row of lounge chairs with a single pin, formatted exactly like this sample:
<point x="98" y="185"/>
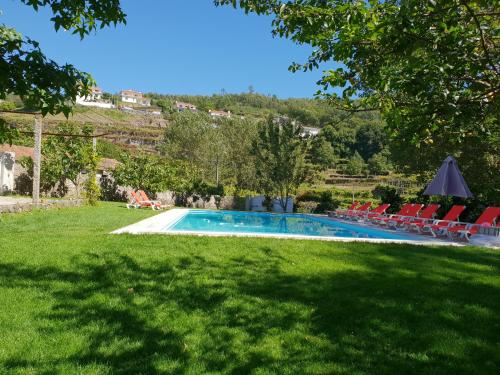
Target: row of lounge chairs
<point x="140" y="199"/>
<point x="415" y="218"/>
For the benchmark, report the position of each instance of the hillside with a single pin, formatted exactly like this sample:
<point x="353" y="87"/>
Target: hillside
<point x="309" y="112"/>
<point x="126" y="130"/>
<point x="131" y="131"/>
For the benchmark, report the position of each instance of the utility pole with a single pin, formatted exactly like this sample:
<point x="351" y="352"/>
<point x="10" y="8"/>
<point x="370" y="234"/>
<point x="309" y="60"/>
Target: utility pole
<point x="37" y="159"/>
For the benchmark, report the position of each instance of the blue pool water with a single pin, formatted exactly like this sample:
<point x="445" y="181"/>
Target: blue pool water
<point x="203" y="221"/>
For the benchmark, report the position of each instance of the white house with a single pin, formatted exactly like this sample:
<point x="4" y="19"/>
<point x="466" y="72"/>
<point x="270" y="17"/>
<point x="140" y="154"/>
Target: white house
<point x="310" y="132"/>
<point x="220" y="113"/>
<point x="180" y="106"/>
<point x="134" y="97"/>
<point x="94" y="99"/>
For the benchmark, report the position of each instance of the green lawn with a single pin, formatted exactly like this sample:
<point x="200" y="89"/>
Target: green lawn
<point x="74" y="299"/>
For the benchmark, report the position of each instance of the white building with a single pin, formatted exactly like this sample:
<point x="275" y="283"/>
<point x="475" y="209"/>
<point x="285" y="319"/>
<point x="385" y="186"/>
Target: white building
<point x="134" y="97"/>
<point x="94" y="99"/>
<point x="180" y="106"/>
<point x="220" y="113"/>
<point x="310" y="132"/>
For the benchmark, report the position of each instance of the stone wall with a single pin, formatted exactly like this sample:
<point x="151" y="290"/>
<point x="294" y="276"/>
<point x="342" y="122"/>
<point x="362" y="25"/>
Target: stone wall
<point x="212" y="202"/>
<point x="23" y="207"/>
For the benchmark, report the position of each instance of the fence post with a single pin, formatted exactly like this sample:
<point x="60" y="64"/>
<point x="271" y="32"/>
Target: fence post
<point x="37" y="158"/>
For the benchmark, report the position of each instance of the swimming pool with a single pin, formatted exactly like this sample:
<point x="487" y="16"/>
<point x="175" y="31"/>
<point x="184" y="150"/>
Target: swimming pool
<point x="207" y="222"/>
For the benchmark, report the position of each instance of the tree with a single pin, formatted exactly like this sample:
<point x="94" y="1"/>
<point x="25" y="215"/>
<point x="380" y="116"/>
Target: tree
<point x="356" y="165"/>
<point x="41" y="83"/>
<point x="107" y="96"/>
<point x="191" y="137"/>
<point x="153" y="174"/>
<point x="69" y="156"/>
<point x="166" y="105"/>
<point x="430" y="67"/>
<point x="65" y="158"/>
<point x="370" y="140"/>
<point x="280" y="158"/>
<point x="322" y="153"/>
<point x="379" y="164"/>
<point x="220" y="149"/>
<point x="341" y="138"/>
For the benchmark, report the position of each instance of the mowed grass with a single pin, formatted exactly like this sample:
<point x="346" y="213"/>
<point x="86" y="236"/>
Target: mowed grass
<point x="75" y="299"/>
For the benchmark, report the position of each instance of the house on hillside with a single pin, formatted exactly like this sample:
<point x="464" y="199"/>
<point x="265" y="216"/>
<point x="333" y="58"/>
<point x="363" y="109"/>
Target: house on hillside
<point x="134" y="97"/>
<point x="214" y="113"/>
<point x="310" y="132"/>
<point x="181" y="107"/>
<point x="94" y="99"/>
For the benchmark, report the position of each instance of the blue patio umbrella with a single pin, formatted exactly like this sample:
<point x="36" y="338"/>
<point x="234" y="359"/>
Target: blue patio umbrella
<point x="449" y="181"/>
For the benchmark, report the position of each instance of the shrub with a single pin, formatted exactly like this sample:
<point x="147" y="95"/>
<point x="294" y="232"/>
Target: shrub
<point x="92" y="190"/>
<point x="204" y="189"/>
<point x="110" y="190"/>
<point x="388" y="194"/>
<point x="355" y="166"/>
<point x="379" y="164"/>
<point x="306" y="207"/>
<point x="324" y="201"/>
<point x="327" y="202"/>
<point x="7" y="106"/>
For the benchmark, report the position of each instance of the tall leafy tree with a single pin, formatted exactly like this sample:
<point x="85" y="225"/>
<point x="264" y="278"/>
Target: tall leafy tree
<point x="219" y="148"/>
<point x="69" y="156"/>
<point x="356" y="165"/>
<point x="341" y="138"/>
<point x="322" y="153"/>
<point x="65" y="157"/>
<point x="280" y="152"/>
<point x="370" y="140"/>
<point x="153" y="174"/>
<point x="430" y="67"/>
<point x="40" y="82"/>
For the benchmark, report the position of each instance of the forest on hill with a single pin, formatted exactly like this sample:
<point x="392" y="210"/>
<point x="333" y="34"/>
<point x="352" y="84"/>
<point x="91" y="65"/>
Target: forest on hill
<point x="353" y="142"/>
<point x="309" y="112"/>
<point x="343" y="135"/>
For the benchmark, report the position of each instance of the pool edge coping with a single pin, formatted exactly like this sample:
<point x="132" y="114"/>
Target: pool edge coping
<point x="150" y="226"/>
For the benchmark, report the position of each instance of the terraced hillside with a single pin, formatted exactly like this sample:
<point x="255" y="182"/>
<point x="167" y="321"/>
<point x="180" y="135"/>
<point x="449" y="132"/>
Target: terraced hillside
<point x="121" y="128"/>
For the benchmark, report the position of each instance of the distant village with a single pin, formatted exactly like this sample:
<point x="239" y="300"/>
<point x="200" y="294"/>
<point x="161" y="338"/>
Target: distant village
<point x="135" y="102"/>
<point x="132" y="101"/>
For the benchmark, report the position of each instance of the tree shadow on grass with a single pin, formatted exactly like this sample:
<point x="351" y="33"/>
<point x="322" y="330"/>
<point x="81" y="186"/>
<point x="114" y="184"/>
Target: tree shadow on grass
<point x="396" y="310"/>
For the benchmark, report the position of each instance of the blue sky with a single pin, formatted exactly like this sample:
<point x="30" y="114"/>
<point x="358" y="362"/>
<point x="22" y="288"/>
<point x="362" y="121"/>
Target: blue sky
<point x="175" y="47"/>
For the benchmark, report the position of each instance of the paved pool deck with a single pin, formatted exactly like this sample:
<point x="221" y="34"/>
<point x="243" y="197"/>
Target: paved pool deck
<point x="157" y="224"/>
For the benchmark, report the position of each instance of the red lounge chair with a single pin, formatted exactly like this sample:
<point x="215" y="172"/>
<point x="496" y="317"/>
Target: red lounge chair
<point x="384" y="218"/>
<point x="376" y="212"/>
<point x="342" y="211"/>
<point x="360" y="210"/>
<point x="134" y="201"/>
<point x="427" y="213"/>
<point x="410" y="213"/>
<point x="436" y="225"/>
<point x="464" y="231"/>
<point x="148" y="202"/>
